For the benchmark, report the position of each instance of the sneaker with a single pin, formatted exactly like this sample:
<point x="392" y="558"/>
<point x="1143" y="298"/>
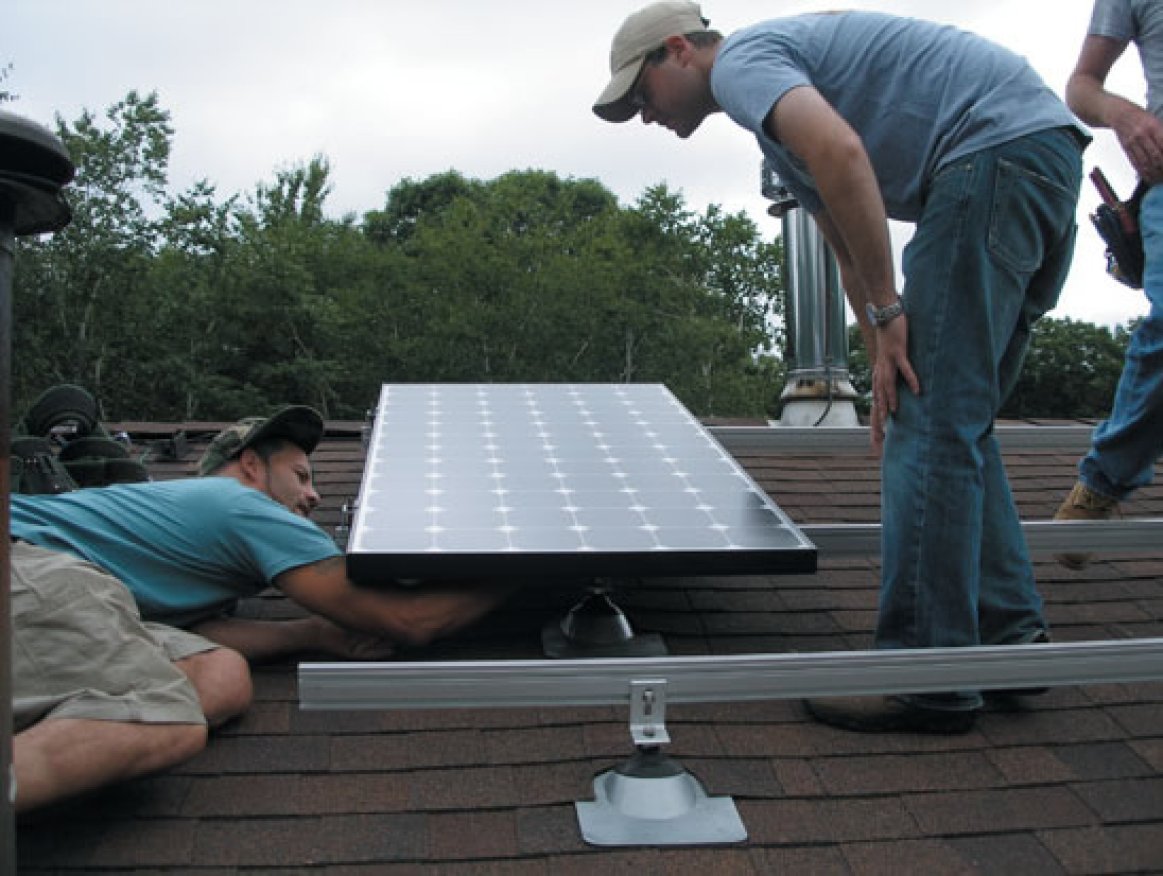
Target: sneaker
<point x="888" y="715"/>
<point x="1083" y="503"/>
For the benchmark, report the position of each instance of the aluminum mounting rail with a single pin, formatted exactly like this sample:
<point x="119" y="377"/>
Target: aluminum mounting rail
<point x="532" y="683"/>
<point x="797" y="439"/>
<point x="1042" y="536"/>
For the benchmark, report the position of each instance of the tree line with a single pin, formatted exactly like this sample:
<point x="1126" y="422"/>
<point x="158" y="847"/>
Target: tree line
<point x="190" y="305"/>
<point x="194" y="306"/>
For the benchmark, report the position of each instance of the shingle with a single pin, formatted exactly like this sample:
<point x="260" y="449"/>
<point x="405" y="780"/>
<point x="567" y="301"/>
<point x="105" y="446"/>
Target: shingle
<point x="1125" y="800"/>
<point x="1006" y="853"/>
<point x="1140" y="719"/>
<point x="1112" y="760"/>
<point x="909" y="856"/>
<point x="287" y="842"/>
<point x="261" y="754"/>
<point x="407" y="750"/>
<point x="461" y="835"/>
<point x="530" y="745"/>
<point x="734" y="777"/>
<point x="346" y="793"/>
<point x="1121" y="849"/>
<point x="70" y="843"/>
<point x="1151" y="750"/>
<point x="998" y="810"/>
<point x="549" y="784"/>
<point x="1048" y="727"/>
<point x="797" y="778"/>
<point x="851" y="776"/>
<point x="781" y="740"/>
<point x="826" y="820"/>
<point x="818" y="860"/>
<point x="550" y="830"/>
<point x="501" y="867"/>
<point x="460" y="789"/>
<point x="1032" y="765"/>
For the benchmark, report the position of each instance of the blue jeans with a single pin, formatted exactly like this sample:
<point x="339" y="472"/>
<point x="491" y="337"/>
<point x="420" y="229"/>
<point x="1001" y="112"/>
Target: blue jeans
<point x="989" y="256"/>
<point x="1125" y="446"/>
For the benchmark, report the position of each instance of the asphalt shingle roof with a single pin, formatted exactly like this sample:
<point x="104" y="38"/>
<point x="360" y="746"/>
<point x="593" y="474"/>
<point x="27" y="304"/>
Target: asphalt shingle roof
<point x="1071" y="784"/>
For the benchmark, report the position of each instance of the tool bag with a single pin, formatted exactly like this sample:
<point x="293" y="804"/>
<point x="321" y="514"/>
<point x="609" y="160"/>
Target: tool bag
<point x="60" y="445"/>
<point x="1117" y="223"/>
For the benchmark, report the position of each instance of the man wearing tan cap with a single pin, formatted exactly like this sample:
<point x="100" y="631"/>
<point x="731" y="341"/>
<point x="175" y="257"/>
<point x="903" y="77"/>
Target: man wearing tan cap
<point x="867" y="117"/>
<point x="119" y="597"/>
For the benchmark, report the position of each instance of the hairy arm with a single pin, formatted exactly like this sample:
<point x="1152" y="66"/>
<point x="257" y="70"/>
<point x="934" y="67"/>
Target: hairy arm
<point x="410" y="615"/>
<point x="1138" y="131"/>
<point x="855" y="223"/>
<point x="262" y="640"/>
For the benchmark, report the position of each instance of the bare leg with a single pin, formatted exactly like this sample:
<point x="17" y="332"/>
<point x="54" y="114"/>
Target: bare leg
<point x="222" y="680"/>
<point x="60" y="758"/>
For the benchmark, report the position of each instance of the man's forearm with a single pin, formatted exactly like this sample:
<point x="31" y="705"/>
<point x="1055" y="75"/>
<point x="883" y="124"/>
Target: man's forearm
<point x="1090" y="101"/>
<point x="407" y="615"/>
<point x="260" y="640"/>
<point x="264" y="640"/>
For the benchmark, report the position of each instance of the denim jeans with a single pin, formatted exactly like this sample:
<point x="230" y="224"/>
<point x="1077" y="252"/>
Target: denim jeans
<point x="1125" y="446"/>
<point x="989" y="256"/>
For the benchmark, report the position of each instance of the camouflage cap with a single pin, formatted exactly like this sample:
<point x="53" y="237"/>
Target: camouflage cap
<point x="300" y="425"/>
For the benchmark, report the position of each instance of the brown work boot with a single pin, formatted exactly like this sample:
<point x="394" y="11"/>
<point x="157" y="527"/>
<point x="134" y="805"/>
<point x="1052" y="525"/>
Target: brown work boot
<point x="1083" y="503"/>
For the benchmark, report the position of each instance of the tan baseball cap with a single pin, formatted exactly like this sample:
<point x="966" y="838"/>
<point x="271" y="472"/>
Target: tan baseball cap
<point x="639" y="35"/>
<point x="300" y="425"/>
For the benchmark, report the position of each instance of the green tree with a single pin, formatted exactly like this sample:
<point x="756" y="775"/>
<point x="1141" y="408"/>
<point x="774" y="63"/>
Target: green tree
<point x="1071" y="371"/>
<point x="82" y="296"/>
<point x="284" y="276"/>
<point x="529" y="277"/>
<point x="191" y="306"/>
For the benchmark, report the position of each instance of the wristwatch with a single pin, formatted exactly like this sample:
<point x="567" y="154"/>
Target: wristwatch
<point x="882" y="316"/>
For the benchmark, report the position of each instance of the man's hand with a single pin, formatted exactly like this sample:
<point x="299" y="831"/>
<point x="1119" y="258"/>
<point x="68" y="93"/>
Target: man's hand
<point x="1141" y="136"/>
<point x="892" y="364"/>
<point x="1138" y="131"/>
<point x="351" y="644"/>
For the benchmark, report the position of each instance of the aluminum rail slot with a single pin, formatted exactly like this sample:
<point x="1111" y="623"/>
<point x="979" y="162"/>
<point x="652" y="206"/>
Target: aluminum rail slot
<point x="603" y="682"/>
<point x="795" y="439"/>
<point x="1042" y="536"/>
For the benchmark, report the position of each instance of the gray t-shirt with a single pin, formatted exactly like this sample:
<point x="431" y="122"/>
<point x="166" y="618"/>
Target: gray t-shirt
<point x="919" y="94"/>
<point x="1140" y="22"/>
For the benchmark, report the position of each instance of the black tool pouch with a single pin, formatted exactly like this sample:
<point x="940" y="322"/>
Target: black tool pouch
<point x="1117" y="223"/>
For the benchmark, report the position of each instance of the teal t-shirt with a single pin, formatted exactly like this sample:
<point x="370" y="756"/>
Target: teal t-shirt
<point x="187" y="549"/>
<point x="919" y="94"/>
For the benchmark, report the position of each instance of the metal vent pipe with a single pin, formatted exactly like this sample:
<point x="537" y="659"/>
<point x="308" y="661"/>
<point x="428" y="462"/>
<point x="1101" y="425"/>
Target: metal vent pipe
<point x="818" y="390"/>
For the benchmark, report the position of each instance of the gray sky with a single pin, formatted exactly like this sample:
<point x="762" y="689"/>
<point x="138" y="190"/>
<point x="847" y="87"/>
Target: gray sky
<point x="386" y="90"/>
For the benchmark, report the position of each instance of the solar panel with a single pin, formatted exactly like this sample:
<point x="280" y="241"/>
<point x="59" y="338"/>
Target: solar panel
<point x="466" y="480"/>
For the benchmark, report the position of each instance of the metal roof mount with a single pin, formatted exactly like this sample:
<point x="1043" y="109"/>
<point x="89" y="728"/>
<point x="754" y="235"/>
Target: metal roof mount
<point x="651" y="799"/>
<point x="597" y="627"/>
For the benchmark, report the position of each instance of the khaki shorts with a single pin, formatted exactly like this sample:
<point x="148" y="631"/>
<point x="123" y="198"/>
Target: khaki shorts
<point x="81" y="650"/>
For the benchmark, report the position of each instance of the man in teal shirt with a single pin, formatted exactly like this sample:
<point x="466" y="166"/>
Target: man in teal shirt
<point x="122" y="651"/>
